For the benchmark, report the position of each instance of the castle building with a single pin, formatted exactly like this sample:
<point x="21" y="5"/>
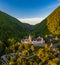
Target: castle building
<point x="35" y="41"/>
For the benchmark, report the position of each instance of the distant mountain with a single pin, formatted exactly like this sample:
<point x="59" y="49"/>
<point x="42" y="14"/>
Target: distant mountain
<point x="49" y="25"/>
<point x="30" y="27"/>
<point x="11" y="27"/>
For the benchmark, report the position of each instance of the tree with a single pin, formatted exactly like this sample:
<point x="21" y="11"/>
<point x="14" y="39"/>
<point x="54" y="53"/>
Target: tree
<point x="56" y="38"/>
<point x="11" y="41"/>
<point x="32" y="48"/>
<point x="2" y="47"/>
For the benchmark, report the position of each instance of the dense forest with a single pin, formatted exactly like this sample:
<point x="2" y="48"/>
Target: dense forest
<point x="53" y="22"/>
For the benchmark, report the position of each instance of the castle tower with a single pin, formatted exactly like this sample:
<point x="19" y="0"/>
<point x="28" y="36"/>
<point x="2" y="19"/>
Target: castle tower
<point x="30" y="39"/>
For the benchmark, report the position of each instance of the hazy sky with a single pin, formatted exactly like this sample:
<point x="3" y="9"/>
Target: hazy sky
<point x="29" y="11"/>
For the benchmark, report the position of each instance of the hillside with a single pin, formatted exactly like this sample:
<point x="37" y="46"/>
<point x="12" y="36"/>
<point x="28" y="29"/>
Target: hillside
<point x="53" y="21"/>
<point x="49" y="25"/>
<point x="41" y="29"/>
<point x="11" y="27"/>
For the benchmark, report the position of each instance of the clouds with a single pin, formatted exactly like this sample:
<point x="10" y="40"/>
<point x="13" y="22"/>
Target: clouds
<point x="31" y="21"/>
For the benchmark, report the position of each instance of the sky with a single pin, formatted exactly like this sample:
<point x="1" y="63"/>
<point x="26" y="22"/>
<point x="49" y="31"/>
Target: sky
<point x="29" y="11"/>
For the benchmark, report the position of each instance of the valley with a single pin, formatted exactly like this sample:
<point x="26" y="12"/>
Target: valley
<point x="41" y="48"/>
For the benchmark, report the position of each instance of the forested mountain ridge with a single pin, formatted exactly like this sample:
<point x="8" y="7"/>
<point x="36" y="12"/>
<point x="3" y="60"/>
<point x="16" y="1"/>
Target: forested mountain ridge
<point x="53" y="21"/>
<point x="11" y="27"/>
<point x="50" y="24"/>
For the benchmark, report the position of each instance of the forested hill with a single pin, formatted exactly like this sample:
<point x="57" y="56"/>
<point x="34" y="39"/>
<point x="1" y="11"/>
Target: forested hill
<point x="11" y="27"/>
<point x="51" y="24"/>
<point x="53" y="21"/>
